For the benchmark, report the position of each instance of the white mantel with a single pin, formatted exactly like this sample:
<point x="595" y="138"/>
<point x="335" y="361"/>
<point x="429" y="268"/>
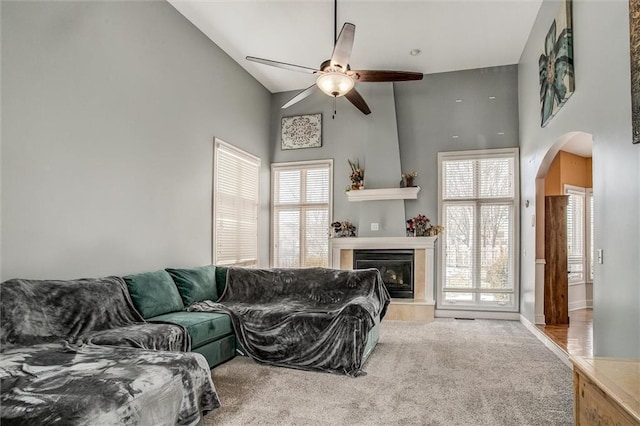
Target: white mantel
<point x="410" y="193"/>
<point x="363" y="243"/>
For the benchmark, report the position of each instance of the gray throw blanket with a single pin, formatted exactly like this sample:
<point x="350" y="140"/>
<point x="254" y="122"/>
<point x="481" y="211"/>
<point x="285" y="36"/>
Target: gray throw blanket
<point x="311" y="319"/>
<point x="55" y="383"/>
<point x="96" y="310"/>
<point x="78" y="353"/>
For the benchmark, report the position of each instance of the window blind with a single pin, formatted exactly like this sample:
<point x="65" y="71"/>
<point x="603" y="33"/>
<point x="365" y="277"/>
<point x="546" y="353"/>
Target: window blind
<point x="235" y="212"/>
<point x="579" y="234"/>
<point x="301" y="212"/>
<point x="478" y="207"/>
<point x="576" y="211"/>
<point x="590" y="249"/>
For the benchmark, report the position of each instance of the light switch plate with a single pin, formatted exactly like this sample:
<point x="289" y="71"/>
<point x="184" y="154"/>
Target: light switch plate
<point x="600" y="254"/>
<point x="375" y="226"/>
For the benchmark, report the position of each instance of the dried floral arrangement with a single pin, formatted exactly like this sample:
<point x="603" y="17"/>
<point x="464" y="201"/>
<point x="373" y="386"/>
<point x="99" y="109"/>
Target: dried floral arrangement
<point x="407" y="178"/>
<point x="343" y="229"/>
<point x="357" y="175"/>
<point x="420" y="226"/>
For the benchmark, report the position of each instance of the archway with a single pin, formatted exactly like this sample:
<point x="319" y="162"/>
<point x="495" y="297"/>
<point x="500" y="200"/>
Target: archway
<point x="575" y="144"/>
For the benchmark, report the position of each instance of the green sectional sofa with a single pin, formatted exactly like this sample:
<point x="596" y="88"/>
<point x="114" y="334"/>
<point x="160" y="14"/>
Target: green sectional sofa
<point x="162" y="297"/>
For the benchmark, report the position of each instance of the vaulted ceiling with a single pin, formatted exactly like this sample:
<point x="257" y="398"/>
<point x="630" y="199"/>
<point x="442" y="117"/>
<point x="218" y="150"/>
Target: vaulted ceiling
<point x="451" y="34"/>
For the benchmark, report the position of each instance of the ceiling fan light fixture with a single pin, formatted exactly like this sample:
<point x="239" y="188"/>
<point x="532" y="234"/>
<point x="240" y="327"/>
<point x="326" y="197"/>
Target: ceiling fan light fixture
<point x="335" y="84"/>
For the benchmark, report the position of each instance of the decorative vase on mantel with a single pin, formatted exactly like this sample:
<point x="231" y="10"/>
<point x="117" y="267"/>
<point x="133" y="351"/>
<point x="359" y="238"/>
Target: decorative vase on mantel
<point x="420" y="229"/>
<point x="356" y="176"/>
<point x="357" y="185"/>
<point x="409" y="183"/>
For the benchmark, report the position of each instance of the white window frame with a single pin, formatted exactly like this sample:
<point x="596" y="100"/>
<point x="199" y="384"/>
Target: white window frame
<point x="580" y="192"/>
<point x="218" y="143"/>
<point x="589" y="246"/>
<point x="296" y="165"/>
<point x="480" y="306"/>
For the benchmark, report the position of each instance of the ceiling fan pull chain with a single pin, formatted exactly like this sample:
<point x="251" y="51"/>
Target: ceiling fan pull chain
<point x="333" y="117"/>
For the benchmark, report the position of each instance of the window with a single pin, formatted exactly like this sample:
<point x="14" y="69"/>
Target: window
<point x="576" y="212"/>
<point x="301" y="212"/>
<point x="590" y="232"/>
<point x="236" y="184"/>
<point x="479" y="210"/>
<point x="579" y="234"/>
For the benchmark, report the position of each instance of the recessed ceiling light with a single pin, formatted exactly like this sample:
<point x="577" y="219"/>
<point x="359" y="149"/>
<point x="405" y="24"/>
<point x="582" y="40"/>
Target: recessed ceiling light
<point x="458" y="101"/>
<point x="455" y="137"/>
<point x="492" y="97"/>
<point x="415" y="52"/>
<point x="500" y="133"/>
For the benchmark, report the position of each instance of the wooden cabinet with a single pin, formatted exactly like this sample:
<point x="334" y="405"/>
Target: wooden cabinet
<point x="606" y="391"/>
<point x="556" y="279"/>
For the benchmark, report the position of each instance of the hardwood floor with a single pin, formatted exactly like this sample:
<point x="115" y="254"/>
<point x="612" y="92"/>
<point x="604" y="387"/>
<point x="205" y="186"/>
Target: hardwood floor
<point x="575" y="338"/>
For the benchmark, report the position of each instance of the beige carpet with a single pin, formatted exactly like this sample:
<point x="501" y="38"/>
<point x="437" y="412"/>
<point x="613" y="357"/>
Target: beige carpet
<point x="450" y="372"/>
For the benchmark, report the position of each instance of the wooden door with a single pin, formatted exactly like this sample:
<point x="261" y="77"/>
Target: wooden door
<point x="556" y="279"/>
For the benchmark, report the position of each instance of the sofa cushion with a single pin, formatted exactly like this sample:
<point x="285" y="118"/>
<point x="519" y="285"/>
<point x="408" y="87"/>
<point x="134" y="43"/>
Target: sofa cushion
<point x="154" y="293"/>
<point x="221" y="279"/>
<point x="195" y="284"/>
<point x="203" y="327"/>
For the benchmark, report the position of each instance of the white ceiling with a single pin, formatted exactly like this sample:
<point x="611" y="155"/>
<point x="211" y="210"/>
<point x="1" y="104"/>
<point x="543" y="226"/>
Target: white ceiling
<point x="579" y="144"/>
<point x="452" y="34"/>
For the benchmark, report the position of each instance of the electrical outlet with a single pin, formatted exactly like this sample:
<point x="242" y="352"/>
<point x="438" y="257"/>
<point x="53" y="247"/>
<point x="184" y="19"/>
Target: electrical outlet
<point x="375" y="226"/>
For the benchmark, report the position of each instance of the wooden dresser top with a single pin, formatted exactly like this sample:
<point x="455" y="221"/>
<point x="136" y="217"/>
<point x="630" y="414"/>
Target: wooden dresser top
<point x="619" y="378"/>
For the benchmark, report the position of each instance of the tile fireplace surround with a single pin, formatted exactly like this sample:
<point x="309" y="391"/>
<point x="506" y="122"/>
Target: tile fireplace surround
<point x="421" y="307"/>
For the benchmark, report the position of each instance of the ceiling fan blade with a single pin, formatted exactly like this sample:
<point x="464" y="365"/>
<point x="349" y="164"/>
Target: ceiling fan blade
<point x="344" y="44"/>
<point x="358" y="101"/>
<point x="283" y="65"/>
<point x="300" y="96"/>
<point x="373" y="76"/>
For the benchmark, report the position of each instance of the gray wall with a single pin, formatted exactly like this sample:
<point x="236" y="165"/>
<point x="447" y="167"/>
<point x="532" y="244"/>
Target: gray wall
<point x="429" y="117"/>
<point x="109" y="110"/>
<point x="372" y="140"/>
<point x="601" y="106"/>
<point x="426" y="117"/>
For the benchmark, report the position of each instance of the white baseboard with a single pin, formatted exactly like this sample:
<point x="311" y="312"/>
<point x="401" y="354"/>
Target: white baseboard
<point x="448" y="313"/>
<point x="580" y="304"/>
<point x="546" y="341"/>
<point x="540" y="320"/>
<point x="577" y="304"/>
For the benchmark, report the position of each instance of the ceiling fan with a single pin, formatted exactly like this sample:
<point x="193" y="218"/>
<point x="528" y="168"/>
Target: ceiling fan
<point x="335" y="76"/>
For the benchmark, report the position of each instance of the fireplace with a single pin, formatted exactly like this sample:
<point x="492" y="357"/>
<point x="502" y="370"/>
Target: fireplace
<point x="395" y="266"/>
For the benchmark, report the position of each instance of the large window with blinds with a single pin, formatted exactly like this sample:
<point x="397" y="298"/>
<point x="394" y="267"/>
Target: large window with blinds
<point x="478" y="193"/>
<point x="301" y="213"/>
<point x="236" y="183"/>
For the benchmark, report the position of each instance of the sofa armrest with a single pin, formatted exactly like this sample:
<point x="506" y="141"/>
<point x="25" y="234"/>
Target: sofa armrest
<point x="164" y="337"/>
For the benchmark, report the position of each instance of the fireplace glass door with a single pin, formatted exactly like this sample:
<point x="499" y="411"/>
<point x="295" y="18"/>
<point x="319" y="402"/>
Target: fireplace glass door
<point x="395" y="266"/>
